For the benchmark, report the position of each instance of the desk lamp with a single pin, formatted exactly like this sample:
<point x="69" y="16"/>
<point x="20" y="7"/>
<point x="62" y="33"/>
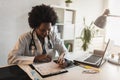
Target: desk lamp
<point x="101" y="20"/>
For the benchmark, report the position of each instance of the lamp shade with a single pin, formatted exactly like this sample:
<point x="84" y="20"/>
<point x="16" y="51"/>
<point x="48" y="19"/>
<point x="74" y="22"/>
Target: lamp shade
<point x="101" y="21"/>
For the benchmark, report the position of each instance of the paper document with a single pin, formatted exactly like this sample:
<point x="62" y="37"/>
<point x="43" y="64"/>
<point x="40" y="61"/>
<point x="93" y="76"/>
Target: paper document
<point x="48" y="69"/>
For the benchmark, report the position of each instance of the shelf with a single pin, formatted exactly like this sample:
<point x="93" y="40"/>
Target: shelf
<point x="63" y="7"/>
<point x="66" y="25"/>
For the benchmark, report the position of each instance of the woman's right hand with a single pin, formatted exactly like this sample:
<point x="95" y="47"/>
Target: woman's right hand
<point x="42" y="58"/>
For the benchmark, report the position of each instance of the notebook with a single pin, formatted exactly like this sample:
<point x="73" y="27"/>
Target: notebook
<point x="96" y="59"/>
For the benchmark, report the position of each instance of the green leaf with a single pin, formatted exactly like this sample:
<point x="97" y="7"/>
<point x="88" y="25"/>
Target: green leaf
<point x="87" y="34"/>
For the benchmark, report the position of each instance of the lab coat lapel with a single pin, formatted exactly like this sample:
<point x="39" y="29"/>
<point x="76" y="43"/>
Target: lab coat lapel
<point x="38" y="44"/>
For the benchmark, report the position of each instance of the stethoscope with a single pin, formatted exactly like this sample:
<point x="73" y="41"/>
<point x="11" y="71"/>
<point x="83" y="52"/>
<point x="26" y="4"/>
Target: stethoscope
<point x="33" y="47"/>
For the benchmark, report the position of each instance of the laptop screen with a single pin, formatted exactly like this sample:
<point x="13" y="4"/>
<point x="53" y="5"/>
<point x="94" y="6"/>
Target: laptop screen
<point x="104" y="53"/>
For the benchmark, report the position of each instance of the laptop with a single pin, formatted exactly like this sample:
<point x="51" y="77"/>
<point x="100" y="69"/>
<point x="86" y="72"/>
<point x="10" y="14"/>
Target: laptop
<point x="96" y="59"/>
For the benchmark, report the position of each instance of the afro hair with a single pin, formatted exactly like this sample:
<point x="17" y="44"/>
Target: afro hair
<point x="41" y="14"/>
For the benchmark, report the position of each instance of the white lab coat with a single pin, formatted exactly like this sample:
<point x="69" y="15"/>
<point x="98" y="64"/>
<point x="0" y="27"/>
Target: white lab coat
<point x="21" y="54"/>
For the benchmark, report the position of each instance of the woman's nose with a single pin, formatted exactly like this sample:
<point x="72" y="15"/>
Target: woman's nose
<point x="46" y="33"/>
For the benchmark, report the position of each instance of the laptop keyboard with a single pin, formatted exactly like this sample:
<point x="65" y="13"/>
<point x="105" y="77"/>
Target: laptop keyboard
<point x="92" y="59"/>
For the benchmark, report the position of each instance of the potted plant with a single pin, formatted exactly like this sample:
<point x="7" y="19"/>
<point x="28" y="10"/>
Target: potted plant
<point x="87" y="34"/>
<point x="68" y="2"/>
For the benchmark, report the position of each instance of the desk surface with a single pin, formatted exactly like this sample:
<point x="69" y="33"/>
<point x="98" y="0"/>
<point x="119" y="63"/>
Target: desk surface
<point x="108" y="71"/>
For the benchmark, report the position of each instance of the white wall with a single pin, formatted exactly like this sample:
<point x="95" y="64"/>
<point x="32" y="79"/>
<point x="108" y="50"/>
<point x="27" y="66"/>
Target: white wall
<point x="88" y="9"/>
<point x="14" y="14"/>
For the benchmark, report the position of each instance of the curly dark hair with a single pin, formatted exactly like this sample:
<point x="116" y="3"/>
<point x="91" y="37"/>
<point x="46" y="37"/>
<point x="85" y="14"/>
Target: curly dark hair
<point x="40" y="14"/>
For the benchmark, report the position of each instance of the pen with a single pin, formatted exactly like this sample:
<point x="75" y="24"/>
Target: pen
<point x="90" y="71"/>
<point x="89" y="67"/>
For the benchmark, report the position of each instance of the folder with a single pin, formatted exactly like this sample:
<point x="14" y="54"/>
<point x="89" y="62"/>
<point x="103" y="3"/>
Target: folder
<point x="13" y="72"/>
<point x="48" y="69"/>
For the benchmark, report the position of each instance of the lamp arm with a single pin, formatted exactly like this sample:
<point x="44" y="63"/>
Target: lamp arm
<point x="113" y="16"/>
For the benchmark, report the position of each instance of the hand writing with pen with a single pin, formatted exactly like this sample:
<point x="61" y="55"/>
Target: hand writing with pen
<point x="61" y="61"/>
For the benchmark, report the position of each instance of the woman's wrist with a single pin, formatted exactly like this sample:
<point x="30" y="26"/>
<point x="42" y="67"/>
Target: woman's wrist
<point x="42" y="58"/>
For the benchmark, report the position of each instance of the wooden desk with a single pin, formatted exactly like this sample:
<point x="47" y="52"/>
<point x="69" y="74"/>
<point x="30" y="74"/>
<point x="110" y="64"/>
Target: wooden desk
<point x="108" y="71"/>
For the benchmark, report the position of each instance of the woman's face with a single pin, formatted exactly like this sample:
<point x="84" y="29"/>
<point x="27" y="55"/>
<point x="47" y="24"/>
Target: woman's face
<point x="43" y="30"/>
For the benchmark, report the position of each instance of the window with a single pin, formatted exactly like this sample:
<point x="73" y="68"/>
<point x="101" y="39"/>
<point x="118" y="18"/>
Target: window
<point x="113" y="23"/>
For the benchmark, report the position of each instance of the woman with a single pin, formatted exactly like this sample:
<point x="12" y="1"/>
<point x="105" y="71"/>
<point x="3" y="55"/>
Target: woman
<point x="40" y="44"/>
